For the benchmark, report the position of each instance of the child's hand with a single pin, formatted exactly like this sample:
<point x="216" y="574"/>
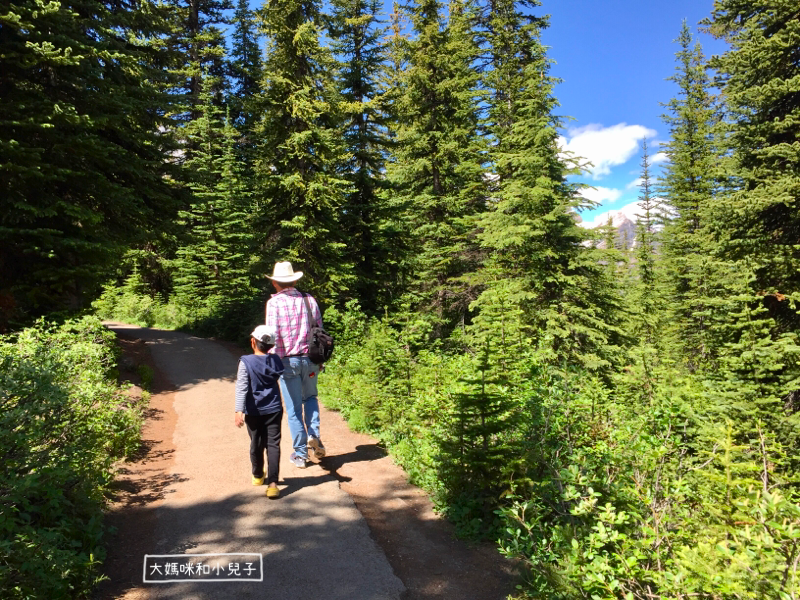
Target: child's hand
<point x="239" y="419"/>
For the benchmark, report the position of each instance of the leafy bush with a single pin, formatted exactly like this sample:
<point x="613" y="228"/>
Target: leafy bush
<point x="382" y="388"/>
<point x="63" y="423"/>
<point x="634" y="488"/>
<point x="217" y="315"/>
<point x="639" y="494"/>
<point x="145" y="376"/>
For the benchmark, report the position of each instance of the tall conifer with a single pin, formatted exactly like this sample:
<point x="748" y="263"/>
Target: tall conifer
<point x="198" y="38"/>
<point x="438" y="165"/>
<point x="756" y="221"/>
<point x="569" y="305"/>
<point x="648" y="221"/>
<point x="508" y="33"/>
<point x="300" y="189"/>
<point x="367" y="215"/>
<point x="83" y="167"/>
<point x="687" y="186"/>
<point x="245" y="79"/>
<point x="212" y="263"/>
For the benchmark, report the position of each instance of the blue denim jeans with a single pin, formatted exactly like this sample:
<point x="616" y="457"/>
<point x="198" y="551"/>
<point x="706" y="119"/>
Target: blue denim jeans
<point x="299" y="388"/>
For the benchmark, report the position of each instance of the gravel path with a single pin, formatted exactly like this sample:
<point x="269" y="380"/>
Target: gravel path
<point x="189" y="492"/>
<point x="315" y="542"/>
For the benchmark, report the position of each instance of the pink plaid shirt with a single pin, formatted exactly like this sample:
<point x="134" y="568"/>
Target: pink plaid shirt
<point x="286" y="312"/>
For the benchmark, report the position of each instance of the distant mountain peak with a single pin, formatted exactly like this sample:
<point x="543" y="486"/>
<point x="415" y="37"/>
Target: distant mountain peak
<point x="626" y="230"/>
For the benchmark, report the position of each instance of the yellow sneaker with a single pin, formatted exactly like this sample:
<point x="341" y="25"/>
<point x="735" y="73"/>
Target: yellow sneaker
<point x="258" y="480"/>
<point x="273" y="493"/>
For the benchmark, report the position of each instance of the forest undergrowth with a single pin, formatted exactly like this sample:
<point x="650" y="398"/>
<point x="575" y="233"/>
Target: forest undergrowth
<point x="638" y="487"/>
<point x="64" y="422"/>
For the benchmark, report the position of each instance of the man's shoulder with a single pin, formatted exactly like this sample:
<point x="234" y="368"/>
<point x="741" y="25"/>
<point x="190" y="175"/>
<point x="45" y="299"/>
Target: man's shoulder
<point x="286" y="294"/>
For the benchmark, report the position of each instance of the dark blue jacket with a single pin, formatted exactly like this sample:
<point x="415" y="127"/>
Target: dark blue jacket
<point x="264" y="396"/>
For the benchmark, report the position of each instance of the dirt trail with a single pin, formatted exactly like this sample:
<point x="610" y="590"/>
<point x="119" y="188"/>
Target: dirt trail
<point x="190" y="492"/>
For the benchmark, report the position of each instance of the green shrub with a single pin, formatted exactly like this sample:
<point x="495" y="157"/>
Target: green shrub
<point x="145" y="376"/>
<point x="629" y="489"/>
<point x="220" y="316"/>
<point x="63" y="423"/>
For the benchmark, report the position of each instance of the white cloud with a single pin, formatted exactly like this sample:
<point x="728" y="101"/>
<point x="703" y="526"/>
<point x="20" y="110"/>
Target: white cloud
<point x="629" y="211"/>
<point x="605" y="147"/>
<point x="659" y="157"/>
<point x="634" y="184"/>
<point x="600" y="194"/>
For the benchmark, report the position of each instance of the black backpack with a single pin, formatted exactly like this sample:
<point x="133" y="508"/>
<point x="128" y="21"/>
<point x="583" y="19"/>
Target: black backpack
<point x="320" y="342"/>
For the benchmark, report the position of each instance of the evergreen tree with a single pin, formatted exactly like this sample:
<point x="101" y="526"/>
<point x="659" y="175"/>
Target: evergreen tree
<point x="509" y="36"/>
<point x="245" y="63"/>
<point x="570" y="307"/>
<point x="82" y="162"/>
<point x="645" y="300"/>
<point x="199" y="40"/>
<point x="756" y="221"/>
<point x="648" y="220"/>
<point x="245" y="75"/>
<point x="212" y="264"/>
<point x="475" y="454"/>
<point x="439" y="162"/>
<point x="367" y="216"/>
<point x="687" y="186"/>
<point x="391" y="78"/>
<point x="299" y="185"/>
<point x="614" y="253"/>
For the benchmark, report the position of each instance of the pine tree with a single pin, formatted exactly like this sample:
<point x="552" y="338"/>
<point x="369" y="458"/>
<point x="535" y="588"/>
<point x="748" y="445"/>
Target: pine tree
<point x="570" y="306"/>
<point x="509" y="36"/>
<point x="687" y="185"/>
<point x="212" y="265"/>
<point x="439" y="163"/>
<point x="646" y="298"/>
<point x="759" y="79"/>
<point x="245" y="68"/>
<point x="648" y="220"/>
<point x="82" y="162"/>
<point x="756" y="221"/>
<point x="300" y="190"/>
<point x="200" y="42"/>
<point x="391" y="78"/>
<point x="476" y="453"/>
<point x="367" y="217"/>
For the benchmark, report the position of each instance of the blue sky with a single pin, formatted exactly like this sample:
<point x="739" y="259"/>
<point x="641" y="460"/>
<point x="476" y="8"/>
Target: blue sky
<point x="613" y="57"/>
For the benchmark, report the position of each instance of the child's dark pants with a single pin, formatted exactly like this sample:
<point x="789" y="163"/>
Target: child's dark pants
<point x="265" y="434"/>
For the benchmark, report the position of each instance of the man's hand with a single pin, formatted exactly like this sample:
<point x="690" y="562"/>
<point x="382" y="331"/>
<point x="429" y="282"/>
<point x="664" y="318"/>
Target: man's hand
<point x="239" y="419"/>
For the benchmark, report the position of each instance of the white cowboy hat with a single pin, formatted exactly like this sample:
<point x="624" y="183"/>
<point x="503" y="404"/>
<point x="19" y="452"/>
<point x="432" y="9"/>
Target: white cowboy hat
<point x="283" y="273"/>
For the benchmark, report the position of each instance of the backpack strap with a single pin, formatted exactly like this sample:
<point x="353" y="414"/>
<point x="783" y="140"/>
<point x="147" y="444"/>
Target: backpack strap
<point x="308" y="310"/>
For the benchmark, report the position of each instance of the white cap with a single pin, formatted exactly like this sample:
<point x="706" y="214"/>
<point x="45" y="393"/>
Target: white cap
<point x="265" y="334"/>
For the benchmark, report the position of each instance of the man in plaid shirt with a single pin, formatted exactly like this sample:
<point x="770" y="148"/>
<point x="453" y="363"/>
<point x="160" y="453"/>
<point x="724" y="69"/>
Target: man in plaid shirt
<point x="288" y="315"/>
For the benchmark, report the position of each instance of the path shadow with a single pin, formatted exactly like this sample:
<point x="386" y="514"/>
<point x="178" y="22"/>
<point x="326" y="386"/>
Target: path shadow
<point x="330" y="467"/>
<point x="424" y="550"/>
<point x="153" y="414"/>
<point x="142" y="491"/>
<point x="295" y="484"/>
<point x="146" y="451"/>
<point x="362" y="453"/>
<point x="344" y="562"/>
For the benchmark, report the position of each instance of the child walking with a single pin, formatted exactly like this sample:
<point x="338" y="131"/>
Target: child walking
<point x="258" y="405"/>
